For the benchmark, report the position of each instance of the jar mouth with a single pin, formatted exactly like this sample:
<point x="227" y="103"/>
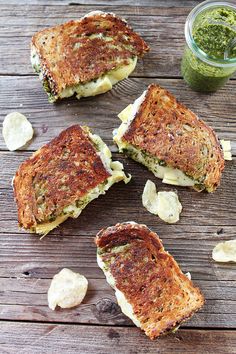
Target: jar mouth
<point x="229" y="62"/>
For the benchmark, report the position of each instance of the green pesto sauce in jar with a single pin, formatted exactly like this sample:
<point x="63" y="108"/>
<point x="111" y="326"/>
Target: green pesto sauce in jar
<point x="213" y="32"/>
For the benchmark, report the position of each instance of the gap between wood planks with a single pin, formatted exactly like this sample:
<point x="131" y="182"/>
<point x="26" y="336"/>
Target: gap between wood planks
<point x="101" y="3"/>
<point x="117" y="326"/>
<point x="100" y="112"/>
<point x="25" y="277"/>
<point x="46" y="338"/>
<point x="131" y="76"/>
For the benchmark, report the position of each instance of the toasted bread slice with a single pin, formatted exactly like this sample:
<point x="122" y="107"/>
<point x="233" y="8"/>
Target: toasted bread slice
<point x="150" y="287"/>
<point x="87" y="56"/>
<point x="62" y="177"/>
<point x="171" y="141"/>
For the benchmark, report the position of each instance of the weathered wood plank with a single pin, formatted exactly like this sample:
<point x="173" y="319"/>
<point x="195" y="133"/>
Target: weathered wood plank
<point x="71" y="245"/>
<point x="26" y="256"/>
<point x="204" y="222"/>
<point x="149" y="3"/>
<point x="25" y="94"/>
<point x="162" y="27"/>
<point x="34" y="262"/>
<point x="200" y="209"/>
<point x="26" y="299"/>
<point x="46" y="338"/>
<point x="27" y="264"/>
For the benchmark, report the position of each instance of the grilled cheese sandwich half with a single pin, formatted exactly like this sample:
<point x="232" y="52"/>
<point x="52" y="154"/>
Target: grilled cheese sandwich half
<point x="85" y="57"/>
<point x="170" y="140"/>
<point x="62" y="177"/>
<point x="149" y="285"/>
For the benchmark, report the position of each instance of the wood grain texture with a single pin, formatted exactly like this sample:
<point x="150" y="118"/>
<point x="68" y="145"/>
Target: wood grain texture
<point x="199" y="208"/>
<point x="42" y="259"/>
<point x="27" y="264"/>
<point x="138" y="3"/>
<point x="204" y="222"/>
<point x="162" y="28"/>
<point x="26" y="95"/>
<point x="26" y="299"/>
<point x="101" y="340"/>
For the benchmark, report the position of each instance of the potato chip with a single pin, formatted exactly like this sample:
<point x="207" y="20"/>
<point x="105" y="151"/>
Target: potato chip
<point x="17" y="130"/>
<point x="225" y="251"/>
<point x="67" y="289"/>
<point x="168" y="207"/>
<point x="149" y="197"/>
<point x="164" y="204"/>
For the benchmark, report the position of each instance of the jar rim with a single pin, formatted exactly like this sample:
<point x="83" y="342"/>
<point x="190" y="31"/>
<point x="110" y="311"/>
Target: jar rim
<point x="191" y="42"/>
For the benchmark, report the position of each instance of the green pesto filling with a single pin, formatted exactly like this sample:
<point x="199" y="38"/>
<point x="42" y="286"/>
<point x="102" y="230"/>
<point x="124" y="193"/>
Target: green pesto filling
<point x="149" y="160"/>
<point x="80" y="203"/>
<point x="153" y="163"/>
<point x="96" y="86"/>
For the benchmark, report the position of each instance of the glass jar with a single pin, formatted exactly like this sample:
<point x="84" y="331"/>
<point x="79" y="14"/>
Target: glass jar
<point x="209" y="58"/>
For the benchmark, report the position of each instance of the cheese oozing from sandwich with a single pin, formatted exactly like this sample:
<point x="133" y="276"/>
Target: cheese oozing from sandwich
<point x="226" y="147"/>
<point x="168" y="174"/>
<point x="91" y="88"/>
<point x="125" y="306"/>
<point x="115" y="168"/>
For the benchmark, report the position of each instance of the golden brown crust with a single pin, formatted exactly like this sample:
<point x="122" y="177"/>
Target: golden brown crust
<point x="57" y="175"/>
<point x="168" y="130"/>
<point x="69" y="55"/>
<point x="161" y="295"/>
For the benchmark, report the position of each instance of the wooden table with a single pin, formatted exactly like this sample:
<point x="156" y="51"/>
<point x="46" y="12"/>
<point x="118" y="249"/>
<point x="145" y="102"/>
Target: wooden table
<point x="27" y="264"/>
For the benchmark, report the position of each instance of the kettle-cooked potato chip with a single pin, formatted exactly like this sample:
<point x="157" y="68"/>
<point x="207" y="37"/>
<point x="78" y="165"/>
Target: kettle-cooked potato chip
<point x="225" y="251"/>
<point x="149" y="197"/>
<point x="164" y="204"/>
<point x="17" y="130"/>
<point x="168" y="207"/>
<point x="67" y="289"/>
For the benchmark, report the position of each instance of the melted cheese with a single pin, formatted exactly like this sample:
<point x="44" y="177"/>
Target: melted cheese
<point x="188" y="275"/>
<point x="102" y="84"/>
<point x="46" y="227"/>
<point x="226" y="146"/>
<point x="115" y="168"/>
<point x="94" y="87"/>
<point x="35" y="61"/>
<point x="168" y="175"/>
<point x="127" y="115"/>
<point x="127" y="112"/>
<point x="125" y="306"/>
